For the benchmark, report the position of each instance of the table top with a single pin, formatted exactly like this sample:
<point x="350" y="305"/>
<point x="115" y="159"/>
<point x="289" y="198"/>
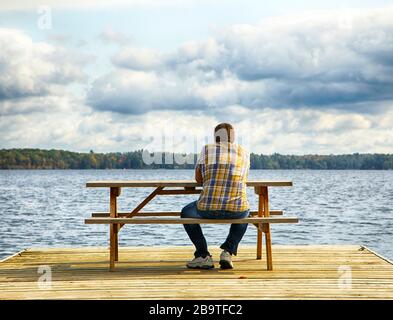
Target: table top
<point x="175" y="183"/>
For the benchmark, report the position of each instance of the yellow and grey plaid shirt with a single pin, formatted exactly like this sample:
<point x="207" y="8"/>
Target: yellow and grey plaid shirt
<point x="224" y="168"/>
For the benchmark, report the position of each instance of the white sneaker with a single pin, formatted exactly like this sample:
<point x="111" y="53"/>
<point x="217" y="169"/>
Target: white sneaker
<point x="201" y="263"/>
<point x="226" y="260"/>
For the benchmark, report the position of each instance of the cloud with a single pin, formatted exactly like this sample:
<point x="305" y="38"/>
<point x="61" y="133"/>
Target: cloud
<point x="59" y="38"/>
<point x="336" y="60"/>
<point x="128" y="91"/>
<point x="295" y="85"/>
<point x="24" y="5"/>
<point x="137" y="59"/>
<point x="33" y="71"/>
<point x="265" y="131"/>
<point x="40" y="104"/>
<point x="110" y="36"/>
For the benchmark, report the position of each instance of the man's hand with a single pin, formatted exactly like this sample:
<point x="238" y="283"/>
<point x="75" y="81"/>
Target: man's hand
<point x="198" y="174"/>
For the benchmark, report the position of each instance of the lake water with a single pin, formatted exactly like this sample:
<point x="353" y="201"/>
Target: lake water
<point x="41" y="208"/>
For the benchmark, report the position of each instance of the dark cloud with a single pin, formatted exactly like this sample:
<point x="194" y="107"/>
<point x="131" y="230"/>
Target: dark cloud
<point x="324" y="61"/>
<point x="138" y="92"/>
<point x="12" y="91"/>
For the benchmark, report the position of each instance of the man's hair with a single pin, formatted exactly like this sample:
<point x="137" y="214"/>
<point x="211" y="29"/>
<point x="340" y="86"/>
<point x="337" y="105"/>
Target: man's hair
<point x="224" y="132"/>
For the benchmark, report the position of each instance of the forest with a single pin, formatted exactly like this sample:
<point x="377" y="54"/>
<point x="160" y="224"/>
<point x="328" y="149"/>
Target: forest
<point x="61" y="159"/>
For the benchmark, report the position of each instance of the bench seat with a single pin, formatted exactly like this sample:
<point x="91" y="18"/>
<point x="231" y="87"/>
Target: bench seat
<point x="169" y="214"/>
<point x="166" y="220"/>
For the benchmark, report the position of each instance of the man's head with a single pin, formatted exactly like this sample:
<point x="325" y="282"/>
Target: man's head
<point x="224" y="132"/>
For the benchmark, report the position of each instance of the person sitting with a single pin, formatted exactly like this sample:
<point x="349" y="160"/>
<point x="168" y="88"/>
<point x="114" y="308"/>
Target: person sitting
<point x="222" y="169"/>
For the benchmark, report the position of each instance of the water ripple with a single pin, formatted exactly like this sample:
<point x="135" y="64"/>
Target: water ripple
<point x="41" y="208"/>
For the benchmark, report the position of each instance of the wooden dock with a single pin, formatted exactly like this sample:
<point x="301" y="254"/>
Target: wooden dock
<point x="301" y="272"/>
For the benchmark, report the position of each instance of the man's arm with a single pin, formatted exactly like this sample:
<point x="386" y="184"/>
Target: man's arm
<point x="198" y="174"/>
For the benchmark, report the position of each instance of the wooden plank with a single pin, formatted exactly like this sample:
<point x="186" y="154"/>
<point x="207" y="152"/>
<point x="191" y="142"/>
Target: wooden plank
<point x="301" y="272"/>
<point x="180" y="191"/>
<point x="143" y="203"/>
<point x="169" y="213"/>
<point x="175" y="183"/>
<point x="153" y="220"/>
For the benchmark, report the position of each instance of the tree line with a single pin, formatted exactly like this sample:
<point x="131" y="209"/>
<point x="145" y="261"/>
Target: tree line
<point x="61" y="159"/>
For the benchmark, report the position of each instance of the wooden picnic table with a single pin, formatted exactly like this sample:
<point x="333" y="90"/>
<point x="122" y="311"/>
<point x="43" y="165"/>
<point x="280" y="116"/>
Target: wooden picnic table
<point x="261" y="218"/>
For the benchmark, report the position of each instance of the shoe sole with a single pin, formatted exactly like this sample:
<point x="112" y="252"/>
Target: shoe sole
<point x="201" y="267"/>
<point x="225" y="264"/>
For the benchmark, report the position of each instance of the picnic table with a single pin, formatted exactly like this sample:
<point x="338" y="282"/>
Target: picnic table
<point x="261" y="218"/>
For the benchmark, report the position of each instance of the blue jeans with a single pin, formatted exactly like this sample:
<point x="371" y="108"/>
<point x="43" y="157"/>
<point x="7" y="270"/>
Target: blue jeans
<point x="194" y="231"/>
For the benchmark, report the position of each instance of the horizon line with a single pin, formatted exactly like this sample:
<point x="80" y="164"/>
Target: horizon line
<point x="189" y="153"/>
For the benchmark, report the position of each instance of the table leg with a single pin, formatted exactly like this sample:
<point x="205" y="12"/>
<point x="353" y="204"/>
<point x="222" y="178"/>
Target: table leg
<point x="268" y="238"/>
<point x="113" y="229"/>
<point x="263" y="211"/>
<point x="259" y="235"/>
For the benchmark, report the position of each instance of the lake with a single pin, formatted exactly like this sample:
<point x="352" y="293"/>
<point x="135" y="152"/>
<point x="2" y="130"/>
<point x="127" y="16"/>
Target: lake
<point x="46" y="208"/>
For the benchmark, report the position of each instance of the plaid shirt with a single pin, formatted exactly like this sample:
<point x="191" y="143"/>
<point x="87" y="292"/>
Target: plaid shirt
<point x="224" y="168"/>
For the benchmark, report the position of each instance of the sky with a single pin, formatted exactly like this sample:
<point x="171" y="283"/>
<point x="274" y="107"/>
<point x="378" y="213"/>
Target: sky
<point x="293" y="77"/>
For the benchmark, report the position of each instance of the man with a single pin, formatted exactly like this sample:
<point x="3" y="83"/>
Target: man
<point x="222" y="168"/>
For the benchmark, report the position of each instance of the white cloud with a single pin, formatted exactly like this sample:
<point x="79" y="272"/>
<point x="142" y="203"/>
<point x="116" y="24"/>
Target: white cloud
<point x="111" y="36"/>
<point x="262" y="131"/>
<point x="315" y="131"/>
<point x="137" y="59"/>
<point x="32" y="71"/>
